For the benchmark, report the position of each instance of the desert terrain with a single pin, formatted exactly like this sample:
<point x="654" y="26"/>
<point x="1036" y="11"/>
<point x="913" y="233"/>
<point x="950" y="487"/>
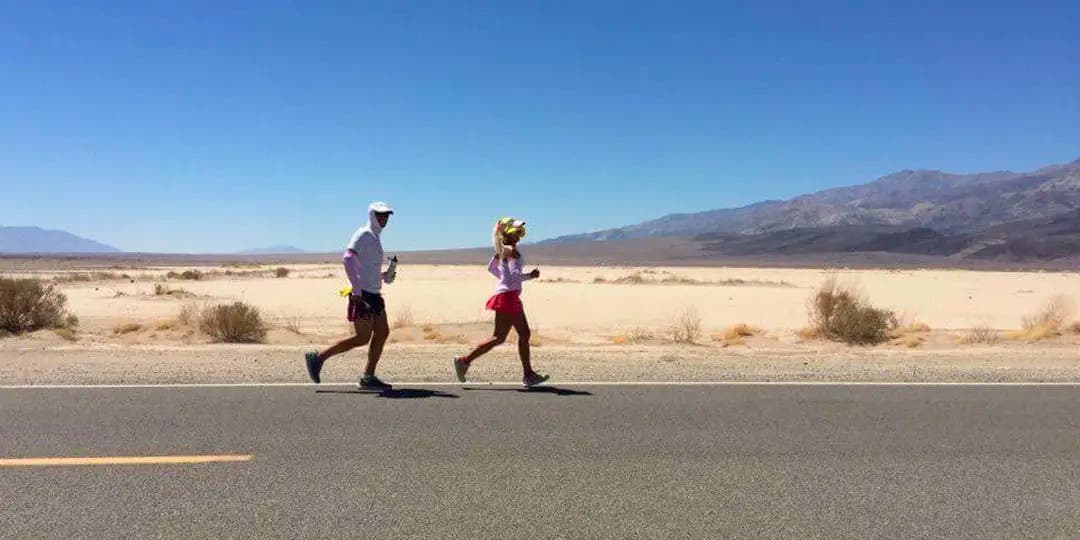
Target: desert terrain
<point x="137" y="323"/>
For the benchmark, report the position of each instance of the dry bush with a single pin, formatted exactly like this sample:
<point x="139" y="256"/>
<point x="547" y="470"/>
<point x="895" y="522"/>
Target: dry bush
<point x="186" y="274"/>
<point x="1047" y="322"/>
<point x="293" y="325"/>
<point x="74" y="277"/>
<point x="903" y="331"/>
<point x="160" y="289"/>
<point x="687" y="326"/>
<point x="736" y="334"/>
<point x="741" y="330"/>
<point x="980" y="334"/>
<point x="680" y="280"/>
<point x="599" y="279"/>
<point x="403" y="318"/>
<point x="126" y="328"/>
<point x="30" y="304"/>
<point x="633" y="279"/>
<point x="633" y="336"/>
<point x="67" y="334"/>
<point x="838" y="313"/>
<point x="190" y="313"/>
<point x="281" y="272"/>
<point x="808" y="333"/>
<point x="1075" y="327"/>
<point x="909" y="340"/>
<point x="166" y="324"/>
<point x="233" y="323"/>
<point x="732" y="342"/>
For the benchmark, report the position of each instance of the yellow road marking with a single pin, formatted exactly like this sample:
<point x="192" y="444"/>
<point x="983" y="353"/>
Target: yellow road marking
<point x="122" y="460"/>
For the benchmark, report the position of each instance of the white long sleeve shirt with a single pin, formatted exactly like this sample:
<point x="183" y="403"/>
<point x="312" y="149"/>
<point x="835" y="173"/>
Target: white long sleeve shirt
<point x="365" y="242"/>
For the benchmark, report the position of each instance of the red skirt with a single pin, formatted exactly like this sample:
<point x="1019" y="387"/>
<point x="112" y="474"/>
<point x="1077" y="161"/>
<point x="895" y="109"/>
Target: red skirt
<point x="508" y="302"/>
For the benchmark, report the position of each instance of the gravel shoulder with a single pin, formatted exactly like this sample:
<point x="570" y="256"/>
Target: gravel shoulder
<point x="77" y="364"/>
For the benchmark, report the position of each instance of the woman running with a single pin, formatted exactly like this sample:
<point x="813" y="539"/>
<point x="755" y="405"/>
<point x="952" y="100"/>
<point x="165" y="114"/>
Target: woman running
<point x="507" y="266"/>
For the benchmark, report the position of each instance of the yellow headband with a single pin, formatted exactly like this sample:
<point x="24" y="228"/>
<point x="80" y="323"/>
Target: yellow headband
<point x="509" y="228"/>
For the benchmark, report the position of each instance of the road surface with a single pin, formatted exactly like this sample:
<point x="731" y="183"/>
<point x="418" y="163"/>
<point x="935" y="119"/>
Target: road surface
<point x="581" y="461"/>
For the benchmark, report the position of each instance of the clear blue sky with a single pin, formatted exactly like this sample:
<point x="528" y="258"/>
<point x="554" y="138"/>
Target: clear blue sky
<point x="218" y="126"/>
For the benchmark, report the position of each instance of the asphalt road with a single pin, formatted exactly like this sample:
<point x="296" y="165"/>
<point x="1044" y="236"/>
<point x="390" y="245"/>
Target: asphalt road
<point x="581" y="462"/>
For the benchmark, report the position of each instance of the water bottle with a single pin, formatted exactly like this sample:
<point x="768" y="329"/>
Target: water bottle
<point x="391" y="270"/>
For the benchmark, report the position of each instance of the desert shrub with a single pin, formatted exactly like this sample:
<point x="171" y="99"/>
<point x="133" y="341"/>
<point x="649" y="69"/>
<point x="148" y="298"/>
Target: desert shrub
<point x="166" y="324"/>
<point x="190" y="314"/>
<point x="233" y="323"/>
<point x="736" y="334"/>
<point x="126" y="328"/>
<point x="839" y="314"/>
<point x="686" y="328"/>
<point x="980" y="334"/>
<point x="1045" y="323"/>
<point x="1075" y="327"/>
<point x="910" y="341"/>
<point x="403" y="318"/>
<point x="634" y="335"/>
<point x="293" y="325"/>
<point x="193" y="275"/>
<point x="281" y="272"/>
<point x="632" y="279"/>
<point x="68" y="334"/>
<point x="30" y="304"/>
<point x="741" y="330"/>
<point x="161" y="289"/>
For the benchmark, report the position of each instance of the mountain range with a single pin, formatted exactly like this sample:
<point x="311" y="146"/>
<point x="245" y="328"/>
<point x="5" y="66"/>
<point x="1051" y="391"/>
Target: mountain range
<point x="999" y="214"/>
<point x="38" y="240"/>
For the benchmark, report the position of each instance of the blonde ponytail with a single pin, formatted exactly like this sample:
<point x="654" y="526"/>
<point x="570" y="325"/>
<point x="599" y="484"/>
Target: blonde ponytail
<point x="497" y="240"/>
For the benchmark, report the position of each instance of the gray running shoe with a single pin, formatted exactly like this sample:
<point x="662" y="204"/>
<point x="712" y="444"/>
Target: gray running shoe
<point x="460" y="367"/>
<point x="534" y="379"/>
<point x="371" y="382"/>
<point x="314" y="366"/>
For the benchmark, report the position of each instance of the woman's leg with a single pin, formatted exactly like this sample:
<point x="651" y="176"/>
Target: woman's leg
<point x="363" y="328"/>
<point x="502" y="329"/>
<point x="521" y="325"/>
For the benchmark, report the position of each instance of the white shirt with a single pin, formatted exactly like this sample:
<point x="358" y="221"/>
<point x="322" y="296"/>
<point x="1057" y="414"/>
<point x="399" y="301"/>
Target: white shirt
<point x="369" y="253"/>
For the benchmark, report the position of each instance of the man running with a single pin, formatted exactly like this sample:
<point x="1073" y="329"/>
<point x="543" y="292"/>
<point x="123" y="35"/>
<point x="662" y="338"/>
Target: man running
<point x="363" y="260"/>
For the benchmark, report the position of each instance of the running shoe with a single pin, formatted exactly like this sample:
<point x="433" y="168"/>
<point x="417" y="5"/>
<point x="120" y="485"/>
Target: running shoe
<point x="534" y="379"/>
<point x="314" y="365"/>
<point x="460" y="367"/>
<point x="371" y="382"/>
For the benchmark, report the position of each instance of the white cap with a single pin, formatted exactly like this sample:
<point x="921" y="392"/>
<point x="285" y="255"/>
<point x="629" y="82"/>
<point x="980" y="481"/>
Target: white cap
<point x="380" y="207"/>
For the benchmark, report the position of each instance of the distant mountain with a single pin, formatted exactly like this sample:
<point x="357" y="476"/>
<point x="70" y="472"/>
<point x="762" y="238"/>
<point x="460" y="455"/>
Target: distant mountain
<point x="38" y="240"/>
<point x="943" y="202"/>
<point x="998" y="215"/>
<point x="273" y="250"/>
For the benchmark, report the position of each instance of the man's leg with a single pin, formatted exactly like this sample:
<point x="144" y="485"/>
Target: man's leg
<point x="380" y="331"/>
<point x="363" y="328"/>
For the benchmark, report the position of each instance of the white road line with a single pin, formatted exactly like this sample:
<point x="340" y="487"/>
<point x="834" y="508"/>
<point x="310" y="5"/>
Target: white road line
<point x="413" y="384"/>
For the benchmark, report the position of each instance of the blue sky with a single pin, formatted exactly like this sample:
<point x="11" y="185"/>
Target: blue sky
<point x="219" y="126"/>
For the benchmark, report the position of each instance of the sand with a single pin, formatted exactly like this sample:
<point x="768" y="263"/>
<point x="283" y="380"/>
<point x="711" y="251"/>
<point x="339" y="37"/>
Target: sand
<point x="581" y="321"/>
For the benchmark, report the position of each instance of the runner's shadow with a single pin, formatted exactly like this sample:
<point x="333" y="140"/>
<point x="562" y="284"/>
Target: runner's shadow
<point x="554" y="390"/>
<point x="395" y="393"/>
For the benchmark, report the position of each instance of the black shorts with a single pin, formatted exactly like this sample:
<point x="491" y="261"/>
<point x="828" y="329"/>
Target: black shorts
<point x="365" y="306"/>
